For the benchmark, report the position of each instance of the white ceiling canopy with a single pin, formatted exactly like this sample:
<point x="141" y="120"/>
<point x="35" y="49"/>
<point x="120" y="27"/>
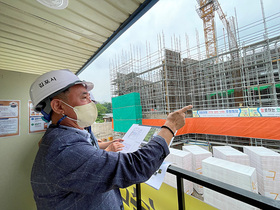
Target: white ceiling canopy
<point x="54" y="4"/>
<point x="62" y="34"/>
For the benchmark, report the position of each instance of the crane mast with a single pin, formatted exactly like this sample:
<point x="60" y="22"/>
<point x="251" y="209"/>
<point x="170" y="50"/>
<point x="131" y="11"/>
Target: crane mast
<point x="206" y="11"/>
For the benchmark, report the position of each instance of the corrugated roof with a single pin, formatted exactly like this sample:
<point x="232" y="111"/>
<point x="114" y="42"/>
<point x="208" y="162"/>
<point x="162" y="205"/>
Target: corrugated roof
<point x="37" y="39"/>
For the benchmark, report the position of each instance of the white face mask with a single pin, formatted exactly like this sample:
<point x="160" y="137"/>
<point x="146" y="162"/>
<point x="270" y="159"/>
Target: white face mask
<point x="86" y="114"/>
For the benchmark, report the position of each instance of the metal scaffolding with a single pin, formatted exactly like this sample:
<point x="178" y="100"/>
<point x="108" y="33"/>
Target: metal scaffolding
<point x="168" y="79"/>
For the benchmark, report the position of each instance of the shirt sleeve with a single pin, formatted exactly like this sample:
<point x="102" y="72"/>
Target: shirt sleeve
<point x="79" y="167"/>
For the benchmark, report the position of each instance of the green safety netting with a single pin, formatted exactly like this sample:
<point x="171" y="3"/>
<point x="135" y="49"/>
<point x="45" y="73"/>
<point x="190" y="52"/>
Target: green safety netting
<point x="127" y="110"/>
<point x="231" y="91"/>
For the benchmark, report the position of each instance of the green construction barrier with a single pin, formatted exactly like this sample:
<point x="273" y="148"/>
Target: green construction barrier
<point x="131" y="112"/>
<point x="131" y="99"/>
<point x="127" y="110"/>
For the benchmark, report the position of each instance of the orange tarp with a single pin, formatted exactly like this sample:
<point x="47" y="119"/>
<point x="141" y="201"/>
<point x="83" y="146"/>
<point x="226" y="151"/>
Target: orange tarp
<point x="250" y="127"/>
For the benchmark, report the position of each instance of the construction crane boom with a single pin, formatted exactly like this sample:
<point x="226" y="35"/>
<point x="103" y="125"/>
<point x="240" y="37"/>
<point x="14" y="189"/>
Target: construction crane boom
<point x="206" y="11"/>
<point x="229" y="25"/>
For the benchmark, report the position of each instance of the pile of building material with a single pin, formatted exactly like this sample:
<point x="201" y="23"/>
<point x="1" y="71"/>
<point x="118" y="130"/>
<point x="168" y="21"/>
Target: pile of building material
<point x="267" y="164"/>
<point x="256" y="170"/>
<point x="231" y="154"/>
<point x="198" y="154"/>
<point x="181" y="159"/>
<point x="235" y="174"/>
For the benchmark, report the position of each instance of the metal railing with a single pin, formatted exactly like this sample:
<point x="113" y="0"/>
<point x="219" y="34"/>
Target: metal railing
<point x="245" y="196"/>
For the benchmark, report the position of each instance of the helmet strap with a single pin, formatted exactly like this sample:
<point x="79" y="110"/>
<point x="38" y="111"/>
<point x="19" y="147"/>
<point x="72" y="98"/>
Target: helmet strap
<point x="59" y="121"/>
<point x="46" y="117"/>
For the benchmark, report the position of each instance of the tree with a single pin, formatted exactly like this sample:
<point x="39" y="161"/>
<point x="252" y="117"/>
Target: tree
<point x="102" y="110"/>
<point x="108" y="105"/>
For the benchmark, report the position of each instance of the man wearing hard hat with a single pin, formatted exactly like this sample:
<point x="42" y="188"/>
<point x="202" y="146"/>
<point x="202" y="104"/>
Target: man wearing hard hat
<point x="70" y="171"/>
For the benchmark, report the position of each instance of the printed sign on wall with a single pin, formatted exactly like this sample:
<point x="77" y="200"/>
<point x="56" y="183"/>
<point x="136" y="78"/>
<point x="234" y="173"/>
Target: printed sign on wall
<point x="9" y="117"/>
<point x="36" y="124"/>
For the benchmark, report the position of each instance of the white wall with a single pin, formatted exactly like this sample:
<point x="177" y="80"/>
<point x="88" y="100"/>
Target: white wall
<point x="17" y="152"/>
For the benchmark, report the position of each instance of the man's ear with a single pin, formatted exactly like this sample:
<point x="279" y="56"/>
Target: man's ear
<point x="56" y="105"/>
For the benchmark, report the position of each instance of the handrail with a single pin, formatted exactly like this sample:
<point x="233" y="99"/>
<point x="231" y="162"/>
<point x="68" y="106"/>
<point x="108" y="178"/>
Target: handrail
<point x="245" y="196"/>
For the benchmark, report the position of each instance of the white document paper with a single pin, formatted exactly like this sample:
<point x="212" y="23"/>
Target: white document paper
<point x="157" y="178"/>
<point x="137" y="136"/>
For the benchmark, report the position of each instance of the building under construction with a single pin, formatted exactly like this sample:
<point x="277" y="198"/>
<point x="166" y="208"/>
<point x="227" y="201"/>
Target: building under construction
<point x="244" y="75"/>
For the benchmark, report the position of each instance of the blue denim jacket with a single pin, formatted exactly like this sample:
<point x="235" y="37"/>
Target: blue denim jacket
<point x="70" y="173"/>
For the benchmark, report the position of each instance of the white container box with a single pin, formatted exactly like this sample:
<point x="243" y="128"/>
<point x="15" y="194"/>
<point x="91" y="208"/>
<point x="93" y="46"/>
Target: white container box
<point x="267" y="163"/>
<point x="198" y="154"/>
<point x="231" y="154"/>
<point x="181" y="159"/>
<point x="235" y="174"/>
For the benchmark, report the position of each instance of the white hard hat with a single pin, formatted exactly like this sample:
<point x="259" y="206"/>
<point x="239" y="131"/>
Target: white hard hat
<point x="52" y="83"/>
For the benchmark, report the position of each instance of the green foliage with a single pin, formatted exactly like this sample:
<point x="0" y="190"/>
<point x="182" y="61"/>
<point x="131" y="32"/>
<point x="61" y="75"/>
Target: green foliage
<point x="108" y="105"/>
<point x="102" y="110"/>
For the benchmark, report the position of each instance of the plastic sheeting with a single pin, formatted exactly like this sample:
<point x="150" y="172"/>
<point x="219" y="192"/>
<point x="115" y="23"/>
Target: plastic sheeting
<point x="250" y="127"/>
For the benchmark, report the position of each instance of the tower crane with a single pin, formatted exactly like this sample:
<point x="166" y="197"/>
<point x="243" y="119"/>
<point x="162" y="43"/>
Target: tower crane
<point x="206" y="11"/>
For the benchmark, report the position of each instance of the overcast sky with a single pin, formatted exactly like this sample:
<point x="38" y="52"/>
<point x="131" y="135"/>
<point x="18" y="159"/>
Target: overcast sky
<point x="171" y="18"/>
